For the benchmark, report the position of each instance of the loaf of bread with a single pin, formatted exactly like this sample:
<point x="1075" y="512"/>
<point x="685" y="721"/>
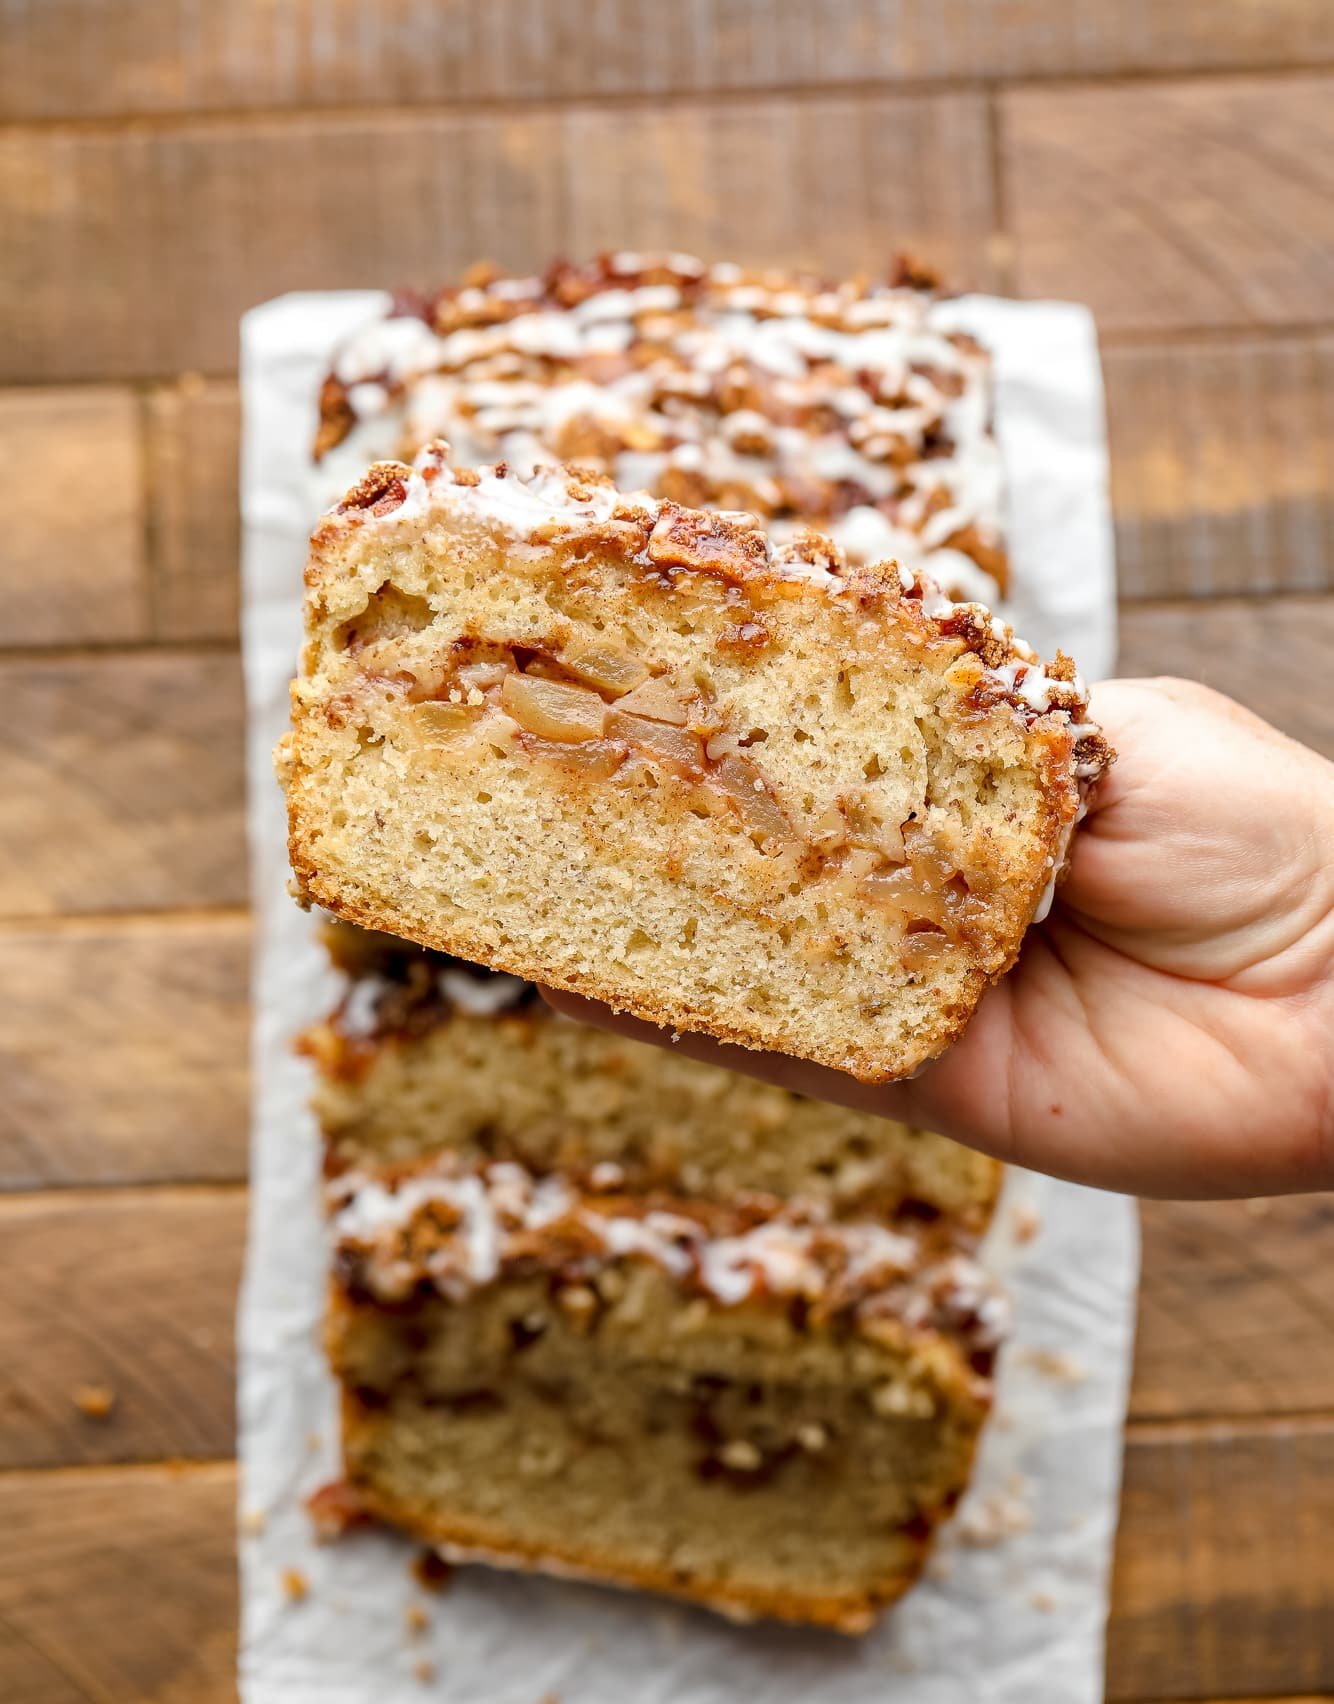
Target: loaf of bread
<point x="646" y="754"/>
<point x="855" y="406"/>
<point x="762" y="1411"/>
<point x="595" y="1307"/>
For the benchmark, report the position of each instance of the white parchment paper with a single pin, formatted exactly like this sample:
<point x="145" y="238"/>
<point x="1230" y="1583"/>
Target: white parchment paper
<point x="1014" y="1607"/>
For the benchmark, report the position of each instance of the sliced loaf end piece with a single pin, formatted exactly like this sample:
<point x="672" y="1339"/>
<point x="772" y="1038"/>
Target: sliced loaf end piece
<point x="644" y="754"/>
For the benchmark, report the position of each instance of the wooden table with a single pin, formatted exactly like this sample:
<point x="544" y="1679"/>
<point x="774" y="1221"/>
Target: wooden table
<point x="165" y="164"/>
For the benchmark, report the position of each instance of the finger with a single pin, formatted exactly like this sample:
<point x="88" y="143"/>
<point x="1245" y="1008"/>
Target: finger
<point x="1166" y="876"/>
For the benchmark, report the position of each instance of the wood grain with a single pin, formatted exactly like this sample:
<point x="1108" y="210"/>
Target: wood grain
<point x="123" y="1052"/>
<point x="122" y="781"/>
<point x="72" y="564"/>
<point x="1173" y="205"/>
<point x="137" y="1298"/>
<point x="1270" y="655"/>
<point x="1221" y="1586"/>
<point x="1235" y="1297"/>
<point x="1223" y="466"/>
<point x="174" y="55"/>
<point x="118" y="1587"/>
<point x="194" y="447"/>
<point x="1224" y="1570"/>
<point x="132" y="252"/>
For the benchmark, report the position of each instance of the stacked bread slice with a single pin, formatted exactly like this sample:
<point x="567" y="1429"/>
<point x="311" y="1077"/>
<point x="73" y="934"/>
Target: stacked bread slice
<point x="597" y="1309"/>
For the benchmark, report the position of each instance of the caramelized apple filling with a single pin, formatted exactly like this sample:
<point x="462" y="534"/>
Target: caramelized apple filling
<point x="597" y="710"/>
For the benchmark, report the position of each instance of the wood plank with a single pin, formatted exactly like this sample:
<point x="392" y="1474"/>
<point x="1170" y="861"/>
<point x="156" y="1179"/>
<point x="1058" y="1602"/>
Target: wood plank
<point x="1271" y="655"/>
<point x="1237" y="1299"/>
<point x="118" y="1587"/>
<point x="123" y="1052"/>
<point x="132" y="252"/>
<point x="1174" y="205"/>
<point x="72" y="568"/>
<point x="184" y="55"/>
<point x="122" y="781"/>
<point x="1221" y="1588"/>
<point x="127" y="1292"/>
<point x="194" y="442"/>
<point x="1224" y="1570"/>
<point x="1223" y="466"/>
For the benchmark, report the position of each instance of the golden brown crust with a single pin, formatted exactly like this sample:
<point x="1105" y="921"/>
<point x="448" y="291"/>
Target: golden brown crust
<point x="667" y="1014"/>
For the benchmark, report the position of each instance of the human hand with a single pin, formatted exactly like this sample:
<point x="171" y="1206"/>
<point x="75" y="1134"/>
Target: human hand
<point x="1169" y="1030"/>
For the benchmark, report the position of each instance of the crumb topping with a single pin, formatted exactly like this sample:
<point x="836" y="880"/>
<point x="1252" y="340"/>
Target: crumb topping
<point x="574" y="510"/>
<point x="852" y="405"/>
<point x="458" y="1231"/>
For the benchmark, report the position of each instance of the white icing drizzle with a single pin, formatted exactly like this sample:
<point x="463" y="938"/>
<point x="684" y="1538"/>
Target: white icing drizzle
<point x="798" y="1253"/>
<point x="357" y="1016"/>
<point x="1058" y="860"/>
<point x="481" y="996"/>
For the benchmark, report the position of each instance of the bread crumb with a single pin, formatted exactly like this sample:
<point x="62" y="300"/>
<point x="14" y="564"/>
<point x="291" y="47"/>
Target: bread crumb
<point x="430" y="1570"/>
<point x="296" y="1587"/>
<point x="94" y="1402"/>
<point x="424" y="1671"/>
<point x="1043" y="1602"/>
<point x="1025" y="1222"/>
<point x="992" y="1519"/>
<point x="415" y="1619"/>
<point x="1055" y="1364"/>
<point x="335" y="1509"/>
<point x="940" y="1568"/>
<point x="252" y="1523"/>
